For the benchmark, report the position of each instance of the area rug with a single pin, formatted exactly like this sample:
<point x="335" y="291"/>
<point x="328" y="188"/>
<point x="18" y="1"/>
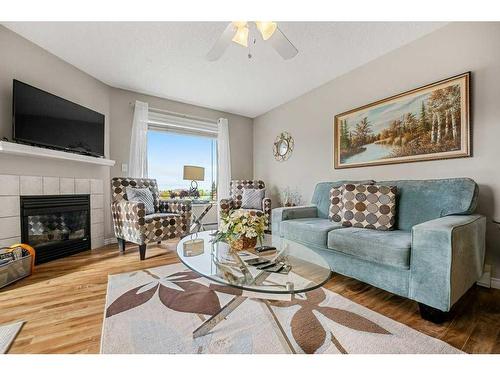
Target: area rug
<point x="8" y="333"/>
<point x="156" y="310"/>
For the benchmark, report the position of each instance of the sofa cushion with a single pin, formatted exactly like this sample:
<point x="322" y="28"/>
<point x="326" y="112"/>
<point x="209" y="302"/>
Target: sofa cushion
<point x="423" y="200"/>
<point x="391" y="248"/>
<point x="321" y="195"/>
<point x="369" y="206"/>
<point x="250" y="210"/>
<point x="313" y="231"/>
<point x="159" y="216"/>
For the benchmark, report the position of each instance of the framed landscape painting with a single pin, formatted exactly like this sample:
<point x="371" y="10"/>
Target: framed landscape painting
<point x="428" y="123"/>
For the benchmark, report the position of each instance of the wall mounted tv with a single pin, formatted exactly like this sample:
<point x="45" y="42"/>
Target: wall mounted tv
<point x="42" y="119"/>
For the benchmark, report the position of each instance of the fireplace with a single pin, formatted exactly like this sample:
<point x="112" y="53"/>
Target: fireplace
<point x="56" y="225"/>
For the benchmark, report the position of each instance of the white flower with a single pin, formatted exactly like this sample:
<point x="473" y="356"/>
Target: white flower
<point x="251" y="233"/>
<point x="240" y="223"/>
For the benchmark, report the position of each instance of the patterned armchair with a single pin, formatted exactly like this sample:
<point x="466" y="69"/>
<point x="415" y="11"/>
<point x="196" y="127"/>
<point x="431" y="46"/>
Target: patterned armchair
<point x="234" y="202"/>
<point x="171" y="219"/>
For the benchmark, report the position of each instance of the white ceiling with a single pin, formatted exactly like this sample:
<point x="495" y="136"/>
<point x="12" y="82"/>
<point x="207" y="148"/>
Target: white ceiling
<point x="167" y="59"/>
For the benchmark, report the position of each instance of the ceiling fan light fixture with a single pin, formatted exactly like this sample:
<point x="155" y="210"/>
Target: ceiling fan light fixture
<point x="241" y="36"/>
<point x="266" y="28"/>
<point x="239" y="24"/>
<point x="239" y="32"/>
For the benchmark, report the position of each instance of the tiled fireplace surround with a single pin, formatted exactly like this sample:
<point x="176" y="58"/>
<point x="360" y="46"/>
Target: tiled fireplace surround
<point x="12" y="187"/>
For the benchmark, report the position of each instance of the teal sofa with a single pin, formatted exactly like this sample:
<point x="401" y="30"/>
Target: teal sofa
<point x="434" y="255"/>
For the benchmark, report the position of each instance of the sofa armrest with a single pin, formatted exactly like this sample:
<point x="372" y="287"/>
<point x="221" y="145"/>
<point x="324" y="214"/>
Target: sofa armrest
<point x="225" y="205"/>
<point x="128" y="211"/>
<point x="128" y="217"/>
<point x="175" y="206"/>
<point x="266" y="208"/>
<point x="447" y="256"/>
<point x="289" y="213"/>
<point x="266" y="205"/>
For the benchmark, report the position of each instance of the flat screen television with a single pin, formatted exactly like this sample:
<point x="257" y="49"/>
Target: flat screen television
<point x="43" y="119"/>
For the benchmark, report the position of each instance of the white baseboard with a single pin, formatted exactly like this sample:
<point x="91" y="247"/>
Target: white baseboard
<point x="495" y="283"/>
<point x="109" y="241"/>
<point x="485" y="279"/>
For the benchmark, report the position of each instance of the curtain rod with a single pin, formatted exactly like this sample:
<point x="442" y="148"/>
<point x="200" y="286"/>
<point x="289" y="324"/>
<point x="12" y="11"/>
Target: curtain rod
<point x="183" y="115"/>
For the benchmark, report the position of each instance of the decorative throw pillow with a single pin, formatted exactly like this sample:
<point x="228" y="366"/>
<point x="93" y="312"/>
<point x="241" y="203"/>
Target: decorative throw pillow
<point x="336" y="202"/>
<point x="369" y="206"/>
<point x="252" y="198"/>
<point x="142" y="196"/>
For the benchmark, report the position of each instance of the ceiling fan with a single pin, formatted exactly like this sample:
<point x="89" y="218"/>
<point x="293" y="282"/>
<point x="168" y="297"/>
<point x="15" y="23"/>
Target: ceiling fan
<point x="239" y="31"/>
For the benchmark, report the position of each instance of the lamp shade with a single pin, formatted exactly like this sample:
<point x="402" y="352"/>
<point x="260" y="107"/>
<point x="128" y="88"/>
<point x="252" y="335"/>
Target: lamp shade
<point x="194" y="173"/>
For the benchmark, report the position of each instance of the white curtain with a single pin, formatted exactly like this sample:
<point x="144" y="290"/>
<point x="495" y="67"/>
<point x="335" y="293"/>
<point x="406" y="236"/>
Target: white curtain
<point x="138" y="157"/>
<point x="223" y="160"/>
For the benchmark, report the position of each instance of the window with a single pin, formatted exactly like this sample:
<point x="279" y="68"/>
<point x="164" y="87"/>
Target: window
<point x="171" y="147"/>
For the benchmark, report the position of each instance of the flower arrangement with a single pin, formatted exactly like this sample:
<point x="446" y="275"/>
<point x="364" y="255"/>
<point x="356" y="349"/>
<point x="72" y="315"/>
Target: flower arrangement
<point x="241" y="229"/>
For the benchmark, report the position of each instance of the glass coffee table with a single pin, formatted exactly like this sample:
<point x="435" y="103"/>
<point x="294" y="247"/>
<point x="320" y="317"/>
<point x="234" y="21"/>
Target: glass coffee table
<point x="307" y="271"/>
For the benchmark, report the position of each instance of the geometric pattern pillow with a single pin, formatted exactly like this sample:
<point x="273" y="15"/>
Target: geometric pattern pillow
<point x="142" y="196"/>
<point x="238" y="186"/>
<point x="119" y="187"/>
<point x="369" y="206"/>
<point x="336" y="204"/>
<point x="252" y="198"/>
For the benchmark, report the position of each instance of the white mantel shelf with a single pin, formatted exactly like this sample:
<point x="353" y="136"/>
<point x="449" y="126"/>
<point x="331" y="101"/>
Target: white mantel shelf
<point x="39" y="152"/>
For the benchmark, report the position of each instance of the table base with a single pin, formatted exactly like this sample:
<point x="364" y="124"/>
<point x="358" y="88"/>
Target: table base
<point x="227" y="309"/>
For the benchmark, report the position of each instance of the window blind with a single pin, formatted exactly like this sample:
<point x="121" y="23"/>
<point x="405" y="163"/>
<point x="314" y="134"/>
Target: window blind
<point x="181" y="124"/>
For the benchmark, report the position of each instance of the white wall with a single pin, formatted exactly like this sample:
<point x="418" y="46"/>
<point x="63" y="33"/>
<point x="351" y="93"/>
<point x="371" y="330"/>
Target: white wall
<point x="240" y="129"/>
<point x="20" y="59"/>
<point x="454" y="49"/>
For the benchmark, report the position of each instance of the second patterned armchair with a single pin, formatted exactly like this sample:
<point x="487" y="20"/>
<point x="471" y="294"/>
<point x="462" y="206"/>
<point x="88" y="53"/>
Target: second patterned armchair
<point x="234" y="202"/>
<point x="171" y="218"/>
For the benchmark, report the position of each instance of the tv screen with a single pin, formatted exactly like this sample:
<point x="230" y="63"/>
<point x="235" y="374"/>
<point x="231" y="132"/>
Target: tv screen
<point x="43" y="119"/>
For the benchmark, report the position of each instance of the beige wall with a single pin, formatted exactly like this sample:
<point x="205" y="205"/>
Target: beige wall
<point x="23" y="60"/>
<point x="454" y="49"/>
<point x="240" y="129"/>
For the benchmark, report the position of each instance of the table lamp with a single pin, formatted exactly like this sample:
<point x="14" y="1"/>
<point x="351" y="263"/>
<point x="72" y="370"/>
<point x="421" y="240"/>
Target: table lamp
<point x="194" y="174"/>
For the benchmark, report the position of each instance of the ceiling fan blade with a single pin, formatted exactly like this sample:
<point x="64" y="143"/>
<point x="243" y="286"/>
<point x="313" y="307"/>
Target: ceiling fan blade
<point x="222" y="43"/>
<point x="282" y="45"/>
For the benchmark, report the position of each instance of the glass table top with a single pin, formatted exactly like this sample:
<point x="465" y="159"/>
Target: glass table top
<point x="215" y="261"/>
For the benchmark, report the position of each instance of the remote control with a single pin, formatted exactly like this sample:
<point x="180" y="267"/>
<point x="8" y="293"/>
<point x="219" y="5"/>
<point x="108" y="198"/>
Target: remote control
<point x="276" y="268"/>
<point x="264" y="267"/>
<point x="257" y="261"/>
<point x="261" y="249"/>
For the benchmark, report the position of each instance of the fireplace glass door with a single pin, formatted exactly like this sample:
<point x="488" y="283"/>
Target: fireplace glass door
<point x="56" y="226"/>
<point x="46" y="230"/>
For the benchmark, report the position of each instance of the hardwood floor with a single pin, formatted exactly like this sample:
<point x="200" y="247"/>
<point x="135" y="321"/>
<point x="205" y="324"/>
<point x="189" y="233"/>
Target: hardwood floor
<point x="63" y="304"/>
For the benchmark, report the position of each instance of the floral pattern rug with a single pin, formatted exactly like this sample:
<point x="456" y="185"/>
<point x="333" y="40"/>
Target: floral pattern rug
<point x="156" y="310"/>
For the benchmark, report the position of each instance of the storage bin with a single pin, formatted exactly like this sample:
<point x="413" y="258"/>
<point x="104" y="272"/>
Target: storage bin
<point x="15" y="270"/>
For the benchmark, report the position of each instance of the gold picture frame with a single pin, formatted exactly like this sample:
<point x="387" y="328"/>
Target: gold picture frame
<point x="431" y="122"/>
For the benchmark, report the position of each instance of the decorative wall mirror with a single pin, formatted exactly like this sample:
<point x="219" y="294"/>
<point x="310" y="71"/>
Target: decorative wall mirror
<point x="283" y="146"/>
